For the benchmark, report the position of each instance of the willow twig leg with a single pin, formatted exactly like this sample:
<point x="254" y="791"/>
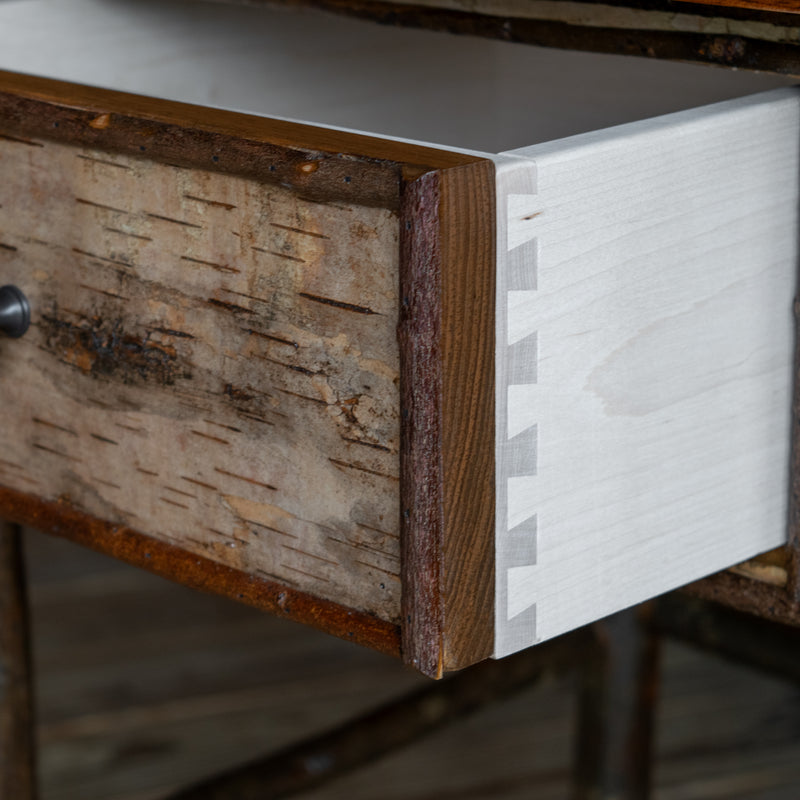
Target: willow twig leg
<point x="616" y="714"/>
<point x="17" y="773"/>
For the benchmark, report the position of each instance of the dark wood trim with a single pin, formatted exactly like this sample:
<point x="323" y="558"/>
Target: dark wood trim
<point x="318" y="163"/>
<point x="419" y="333"/>
<point x="468" y="199"/>
<point x="763" y="645"/>
<point x="447" y="406"/>
<point x="753" y="597"/>
<point x="17" y="721"/>
<point x="654" y="39"/>
<point x="617" y="691"/>
<point x="793" y="547"/>
<point x="198" y="572"/>
<point x="780" y="6"/>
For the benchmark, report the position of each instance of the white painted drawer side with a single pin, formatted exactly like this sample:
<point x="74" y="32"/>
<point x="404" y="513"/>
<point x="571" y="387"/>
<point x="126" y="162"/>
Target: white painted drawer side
<point x="644" y="359"/>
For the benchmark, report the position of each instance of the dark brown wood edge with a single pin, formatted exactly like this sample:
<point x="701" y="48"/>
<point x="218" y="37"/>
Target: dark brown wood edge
<point x="447" y="404"/>
<point x="468" y="199"/>
<point x="318" y="163"/>
<point x="419" y="334"/>
<point x="793" y="547"/>
<point x="720" y="49"/>
<point x="753" y="597"/>
<point x="780" y="6"/>
<point x="198" y="572"/>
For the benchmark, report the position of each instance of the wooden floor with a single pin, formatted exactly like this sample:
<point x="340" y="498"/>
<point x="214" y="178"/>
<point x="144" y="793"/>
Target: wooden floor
<point x="144" y="685"/>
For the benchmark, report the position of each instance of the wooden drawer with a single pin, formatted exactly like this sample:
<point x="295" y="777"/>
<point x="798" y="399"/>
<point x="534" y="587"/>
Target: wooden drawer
<point x="444" y="401"/>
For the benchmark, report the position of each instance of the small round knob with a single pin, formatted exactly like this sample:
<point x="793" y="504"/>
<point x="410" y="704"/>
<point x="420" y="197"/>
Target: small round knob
<point x="15" y="312"/>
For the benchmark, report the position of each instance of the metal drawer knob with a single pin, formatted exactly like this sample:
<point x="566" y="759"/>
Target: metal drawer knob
<point x="15" y="312"/>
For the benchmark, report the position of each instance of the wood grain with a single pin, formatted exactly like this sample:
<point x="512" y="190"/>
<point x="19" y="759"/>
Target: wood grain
<point x="468" y="411"/>
<point x="648" y="433"/>
<point x="447" y="336"/>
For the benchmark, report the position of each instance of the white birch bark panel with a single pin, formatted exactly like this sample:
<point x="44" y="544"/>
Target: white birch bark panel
<point x="212" y="361"/>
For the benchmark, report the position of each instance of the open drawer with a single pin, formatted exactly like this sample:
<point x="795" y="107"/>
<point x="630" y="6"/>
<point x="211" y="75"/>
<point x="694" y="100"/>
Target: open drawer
<point x="442" y="401"/>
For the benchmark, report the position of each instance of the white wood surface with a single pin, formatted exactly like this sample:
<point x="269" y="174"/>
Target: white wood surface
<point x="455" y="91"/>
<point x="645" y="342"/>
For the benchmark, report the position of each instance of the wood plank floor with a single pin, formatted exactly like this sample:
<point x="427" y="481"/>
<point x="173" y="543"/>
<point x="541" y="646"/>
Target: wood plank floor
<point x="144" y="685"/>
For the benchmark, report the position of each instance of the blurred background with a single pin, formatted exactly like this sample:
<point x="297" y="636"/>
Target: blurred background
<point x="144" y="685"/>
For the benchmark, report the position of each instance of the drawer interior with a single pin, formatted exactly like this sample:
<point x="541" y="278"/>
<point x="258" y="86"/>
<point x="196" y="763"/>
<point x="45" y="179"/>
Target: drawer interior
<point x="301" y="64"/>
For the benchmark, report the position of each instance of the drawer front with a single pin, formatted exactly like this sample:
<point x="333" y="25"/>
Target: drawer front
<point x="213" y="362"/>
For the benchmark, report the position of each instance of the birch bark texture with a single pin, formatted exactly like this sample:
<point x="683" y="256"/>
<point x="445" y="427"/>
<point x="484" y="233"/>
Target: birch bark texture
<point x="646" y="275"/>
